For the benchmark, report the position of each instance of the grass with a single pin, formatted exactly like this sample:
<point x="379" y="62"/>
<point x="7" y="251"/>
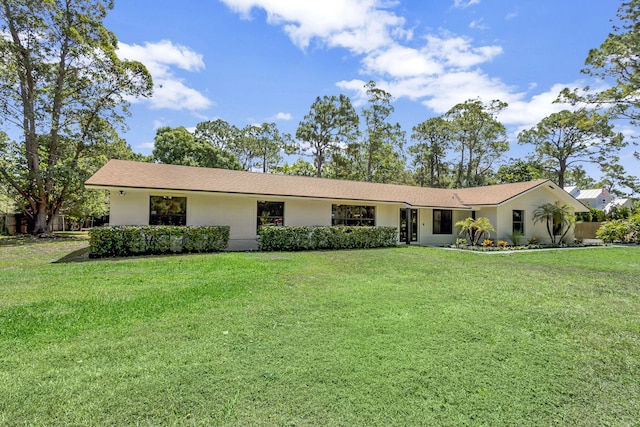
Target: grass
<point x="402" y="336"/>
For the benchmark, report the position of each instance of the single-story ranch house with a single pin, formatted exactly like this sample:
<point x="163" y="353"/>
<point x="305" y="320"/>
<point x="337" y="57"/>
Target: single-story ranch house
<point x="148" y="193"/>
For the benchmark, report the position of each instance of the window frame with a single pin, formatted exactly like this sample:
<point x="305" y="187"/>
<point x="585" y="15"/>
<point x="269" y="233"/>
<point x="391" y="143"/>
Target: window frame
<point x="514" y="222"/>
<point x="269" y="220"/>
<point x="448" y="223"/>
<point x="176" y="219"/>
<point x="353" y="215"/>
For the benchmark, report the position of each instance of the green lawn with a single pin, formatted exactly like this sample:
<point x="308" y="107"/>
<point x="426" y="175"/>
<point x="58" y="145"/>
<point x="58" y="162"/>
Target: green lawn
<point x="402" y="336"/>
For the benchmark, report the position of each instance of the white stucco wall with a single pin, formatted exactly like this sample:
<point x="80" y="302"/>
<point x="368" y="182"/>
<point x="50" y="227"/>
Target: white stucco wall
<point x="425" y="223"/>
<point x="130" y="208"/>
<point x="240" y="211"/>
<point x="528" y="202"/>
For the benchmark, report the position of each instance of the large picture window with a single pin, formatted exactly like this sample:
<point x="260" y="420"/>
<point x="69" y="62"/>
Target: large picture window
<point x="353" y="215"/>
<point x="518" y="221"/>
<point x="270" y="213"/>
<point x="167" y="210"/>
<point x="442" y="221"/>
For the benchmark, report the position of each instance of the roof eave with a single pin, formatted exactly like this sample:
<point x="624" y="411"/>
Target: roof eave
<point x="346" y="199"/>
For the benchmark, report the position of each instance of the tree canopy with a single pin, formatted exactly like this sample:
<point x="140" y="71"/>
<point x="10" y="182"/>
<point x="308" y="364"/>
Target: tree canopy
<point x="63" y="93"/>
<point x="617" y="60"/>
<point x="332" y="122"/>
<point x="569" y="137"/>
<point x="429" y="153"/>
<point x="178" y="146"/>
<point x="376" y="156"/>
<point x="476" y="133"/>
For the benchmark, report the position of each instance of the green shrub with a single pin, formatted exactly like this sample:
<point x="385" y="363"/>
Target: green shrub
<point x="516" y="238"/>
<point x="299" y="238"/>
<point x="620" y="230"/>
<point x="156" y="239"/>
<point x="594" y="215"/>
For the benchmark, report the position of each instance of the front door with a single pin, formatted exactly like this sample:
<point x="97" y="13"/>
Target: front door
<point x="408" y="226"/>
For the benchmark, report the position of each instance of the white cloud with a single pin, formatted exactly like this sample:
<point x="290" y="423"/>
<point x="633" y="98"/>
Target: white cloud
<point x="161" y="58"/>
<point x="175" y="95"/>
<point x="511" y="15"/>
<point x="358" y="91"/>
<point x="357" y="25"/>
<point x="440" y="72"/>
<point x="146" y="146"/>
<point x="464" y="3"/>
<point x="280" y="116"/>
<point x="478" y="25"/>
<point x="160" y="55"/>
<point x="459" y="52"/>
<point x="526" y="113"/>
<point x="157" y="124"/>
<point x="400" y="61"/>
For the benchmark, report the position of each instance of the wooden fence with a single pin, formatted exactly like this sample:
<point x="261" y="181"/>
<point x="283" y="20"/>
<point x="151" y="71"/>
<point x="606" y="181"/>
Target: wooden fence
<point x="587" y="230"/>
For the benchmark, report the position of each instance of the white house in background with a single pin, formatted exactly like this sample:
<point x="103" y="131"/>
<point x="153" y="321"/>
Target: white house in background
<point x="148" y="193"/>
<point x="598" y="198"/>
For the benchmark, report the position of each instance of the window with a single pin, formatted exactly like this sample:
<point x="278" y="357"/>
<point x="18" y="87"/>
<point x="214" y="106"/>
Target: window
<point x="270" y="213"/>
<point x="353" y="215"/>
<point x="442" y="221"/>
<point x="518" y="221"/>
<point x="167" y="210"/>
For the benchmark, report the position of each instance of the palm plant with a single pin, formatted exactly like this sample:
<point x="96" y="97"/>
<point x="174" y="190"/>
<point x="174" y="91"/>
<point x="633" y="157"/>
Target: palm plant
<point x="558" y="219"/>
<point x="483" y="228"/>
<point x="467" y="226"/>
<point x="475" y="229"/>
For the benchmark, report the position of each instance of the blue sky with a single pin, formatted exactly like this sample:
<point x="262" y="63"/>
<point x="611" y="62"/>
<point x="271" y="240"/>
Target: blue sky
<point x="254" y="61"/>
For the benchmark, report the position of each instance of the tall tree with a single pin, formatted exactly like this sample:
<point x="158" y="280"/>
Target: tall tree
<point x="301" y="168"/>
<point x="518" y="170"/>
<point x="217" y="133"/>
<point x="378" y="157"/>
<point x="618" y="60"/>
<point x="63" y="90"/>
<point x="569" y="137"/>
<point x="479" y="137"/>
<point x="616" y="179"/>
<point x="270" y="143"/>
<point x="577" y="176"/>
<point x="331" y="123"/>
<point x="254" y="146"/>
<point x="178" y="146"/>
<point x="429" y="153"/>
<point x="174" y="146"/>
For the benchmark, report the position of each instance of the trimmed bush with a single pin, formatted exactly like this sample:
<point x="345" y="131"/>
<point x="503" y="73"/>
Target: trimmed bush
<point x="277" y="238"/>
<point x="156" y="239"/>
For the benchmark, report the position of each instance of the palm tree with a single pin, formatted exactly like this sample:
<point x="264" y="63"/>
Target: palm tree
<point x="483" y="229"/>
<point x="557" y="218"/>
<point x="468" y="227"/>
<point x="475" y="229"/>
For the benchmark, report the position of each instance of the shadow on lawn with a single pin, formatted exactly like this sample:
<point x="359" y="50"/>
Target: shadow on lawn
<point x="81" y="255"/>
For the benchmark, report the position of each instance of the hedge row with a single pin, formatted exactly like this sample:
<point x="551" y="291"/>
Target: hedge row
<point x="156" y="239"/>
<point x="276" y="238"/>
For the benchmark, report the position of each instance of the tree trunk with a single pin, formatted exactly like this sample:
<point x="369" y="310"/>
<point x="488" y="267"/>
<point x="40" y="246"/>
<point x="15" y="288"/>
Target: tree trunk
<point x="562" y="163"/>
<point x="40" y="224"/>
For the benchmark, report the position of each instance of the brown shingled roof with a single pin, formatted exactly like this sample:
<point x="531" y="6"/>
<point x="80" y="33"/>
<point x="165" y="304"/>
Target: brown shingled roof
<point x="126" y="174"/>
